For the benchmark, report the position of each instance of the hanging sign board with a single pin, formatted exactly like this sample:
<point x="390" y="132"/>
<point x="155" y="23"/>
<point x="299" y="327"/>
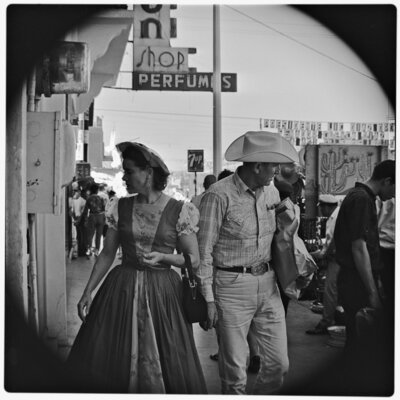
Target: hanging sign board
<point x="152" y="25"/>
<point x="161" y="59"/>
<point x="82" y="170"/>
<point x="64" y="70"/>
<point x="159" y="66"/>
<point x="195" y="160"/>
<point x="199" y="82"/>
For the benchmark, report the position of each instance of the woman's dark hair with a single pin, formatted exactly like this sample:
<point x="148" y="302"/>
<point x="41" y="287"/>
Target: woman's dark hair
<point x="160" y="178"/>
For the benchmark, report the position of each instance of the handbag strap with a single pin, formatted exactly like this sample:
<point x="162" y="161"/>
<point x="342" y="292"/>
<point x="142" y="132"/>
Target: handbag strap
<point x="189" y="267"/>
<point x="191" y="277"/>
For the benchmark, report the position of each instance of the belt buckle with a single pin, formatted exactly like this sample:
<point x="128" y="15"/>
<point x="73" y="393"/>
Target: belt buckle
<point x="258" y="269"/>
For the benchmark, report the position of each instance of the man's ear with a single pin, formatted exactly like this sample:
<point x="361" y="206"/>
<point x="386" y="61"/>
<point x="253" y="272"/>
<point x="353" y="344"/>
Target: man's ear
<point x="257" y="167"/>
<point x="387" y="181"/>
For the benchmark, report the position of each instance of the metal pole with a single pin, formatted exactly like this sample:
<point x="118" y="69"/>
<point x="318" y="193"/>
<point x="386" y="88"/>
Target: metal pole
<point x="217" y="151"/>
<point x="33" y="316"/>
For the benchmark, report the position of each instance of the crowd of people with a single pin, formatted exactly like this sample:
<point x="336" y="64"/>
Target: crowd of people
<point x="135" y="337"/>
<point x="87" y="208"/>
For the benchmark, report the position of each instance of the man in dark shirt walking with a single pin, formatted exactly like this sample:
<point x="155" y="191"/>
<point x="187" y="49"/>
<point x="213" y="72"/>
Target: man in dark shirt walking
<point x="357" y="251"/>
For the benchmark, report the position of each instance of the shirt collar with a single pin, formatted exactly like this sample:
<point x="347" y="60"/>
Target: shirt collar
<point x="242" y="187"/>
<point x="366" y="188"/>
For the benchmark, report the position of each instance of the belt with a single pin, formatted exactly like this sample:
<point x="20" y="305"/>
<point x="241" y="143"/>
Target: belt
<point x="254" y="270"/>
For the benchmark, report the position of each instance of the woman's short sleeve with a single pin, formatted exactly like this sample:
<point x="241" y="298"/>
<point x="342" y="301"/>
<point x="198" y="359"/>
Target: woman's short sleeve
<point x="188" y="219"/>
<point x="112" y="215"/>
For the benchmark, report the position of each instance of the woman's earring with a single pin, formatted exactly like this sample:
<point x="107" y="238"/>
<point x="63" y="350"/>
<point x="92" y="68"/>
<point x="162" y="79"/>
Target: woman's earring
<point x="148" y="183"/>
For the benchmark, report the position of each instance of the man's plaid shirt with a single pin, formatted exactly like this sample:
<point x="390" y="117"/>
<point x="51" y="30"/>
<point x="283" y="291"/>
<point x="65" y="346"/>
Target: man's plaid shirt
<point x="236" y="227"/>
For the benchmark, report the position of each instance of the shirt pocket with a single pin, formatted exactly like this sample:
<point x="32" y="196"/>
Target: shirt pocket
<point x="238" y="223"/>
<point x="268" y="221"/>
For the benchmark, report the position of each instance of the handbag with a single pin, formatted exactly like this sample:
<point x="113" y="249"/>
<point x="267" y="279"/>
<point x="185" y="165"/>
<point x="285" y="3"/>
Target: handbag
<point x="194" y="304"/>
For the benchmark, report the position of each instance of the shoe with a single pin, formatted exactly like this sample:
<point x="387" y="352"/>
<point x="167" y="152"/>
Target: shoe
<point x="214" y="357"/>
<point x="88" y="253"/>
<point x="318" y="330"/>
<point x="317" y="307"/>
<point x="254" y="365"/>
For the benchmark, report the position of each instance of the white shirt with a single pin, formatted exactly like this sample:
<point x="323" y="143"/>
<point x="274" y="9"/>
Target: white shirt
<point x="330" y="229"/>
<point x="386" y="222"/>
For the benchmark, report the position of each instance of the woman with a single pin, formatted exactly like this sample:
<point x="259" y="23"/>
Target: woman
<point x="95" y="207"/>
<point x="135" y="337"/>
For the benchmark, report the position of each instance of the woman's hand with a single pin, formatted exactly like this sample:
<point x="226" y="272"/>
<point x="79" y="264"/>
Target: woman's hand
<point x="153" y="258"/>
<point x="84" y="306"/>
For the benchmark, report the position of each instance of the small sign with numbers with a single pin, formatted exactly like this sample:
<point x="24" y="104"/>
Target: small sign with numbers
<point x="195" y="160"/>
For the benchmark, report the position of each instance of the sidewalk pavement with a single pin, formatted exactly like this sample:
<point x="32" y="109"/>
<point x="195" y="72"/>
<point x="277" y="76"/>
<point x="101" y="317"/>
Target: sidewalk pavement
<point x="309" y="355"/>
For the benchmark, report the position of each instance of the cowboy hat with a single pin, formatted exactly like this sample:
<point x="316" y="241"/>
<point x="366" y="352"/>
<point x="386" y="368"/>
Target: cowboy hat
<point x="261" y="146"/>
<point x="154" y="160"/>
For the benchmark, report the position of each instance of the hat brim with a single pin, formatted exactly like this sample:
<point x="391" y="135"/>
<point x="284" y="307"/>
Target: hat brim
<point x="151" y="156"/>
<point x="234" y="153"/>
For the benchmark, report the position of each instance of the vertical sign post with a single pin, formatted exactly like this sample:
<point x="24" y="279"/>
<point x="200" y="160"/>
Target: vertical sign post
<point x="195" y="164"/>
<point x="216" y="93"/>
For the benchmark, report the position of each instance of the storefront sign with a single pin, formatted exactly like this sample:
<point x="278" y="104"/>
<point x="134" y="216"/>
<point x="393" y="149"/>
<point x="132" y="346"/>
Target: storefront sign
<point x="82" y="170"/>
<point x="157" y="65"/>
<point x="161" y="59"/>
<point x="195" y="160"/>
<point x="152" y="25"/>
<point x="200" y="82"/>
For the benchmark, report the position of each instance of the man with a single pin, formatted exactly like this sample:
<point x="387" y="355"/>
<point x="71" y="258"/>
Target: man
<point x="104" y="196"/>
<point x="386" y="228"/>
<point x="329" y="209"/>
<point x="76" y="207"/>
<point x="357" y="252"/>
<point x="208" y="181"/>
<point x="237" y="224"/>
<point x="288" y="173"/>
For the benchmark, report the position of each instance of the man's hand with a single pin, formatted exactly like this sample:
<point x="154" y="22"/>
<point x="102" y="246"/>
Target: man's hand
<point x="212" y="316"/>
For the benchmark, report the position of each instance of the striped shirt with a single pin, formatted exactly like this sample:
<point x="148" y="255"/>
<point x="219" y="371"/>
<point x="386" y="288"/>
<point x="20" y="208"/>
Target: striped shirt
<point x="236" y="227"/>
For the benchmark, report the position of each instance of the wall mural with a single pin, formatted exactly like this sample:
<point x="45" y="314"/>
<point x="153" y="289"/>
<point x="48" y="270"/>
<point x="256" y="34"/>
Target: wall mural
<point x="340" y="167"/>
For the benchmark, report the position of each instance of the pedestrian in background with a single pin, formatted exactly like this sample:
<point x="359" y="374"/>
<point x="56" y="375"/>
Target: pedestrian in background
<point x="332" y="312"/>
<point x="208" y="181"/>
<point x="285" y="190"/>
<point x="224" y="173"/>
<point x="76" y="207"/>
<point x="237" y="224"/>
<point x="386" y="229"/>
<point x="94" y="218"/>
<point x="357" y="253"/>
<point x="288" y="173"/>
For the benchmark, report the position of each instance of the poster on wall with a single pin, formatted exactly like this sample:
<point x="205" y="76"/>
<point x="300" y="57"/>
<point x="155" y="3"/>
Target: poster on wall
<point x="340" y="167"/>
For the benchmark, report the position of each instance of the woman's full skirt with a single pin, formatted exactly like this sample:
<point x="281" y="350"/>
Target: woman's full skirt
<point x="136" y="339"/>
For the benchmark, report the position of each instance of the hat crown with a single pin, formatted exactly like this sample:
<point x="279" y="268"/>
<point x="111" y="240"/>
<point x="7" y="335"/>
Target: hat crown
<point x="257" y="141"/>
<point x="261" y="146"/>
